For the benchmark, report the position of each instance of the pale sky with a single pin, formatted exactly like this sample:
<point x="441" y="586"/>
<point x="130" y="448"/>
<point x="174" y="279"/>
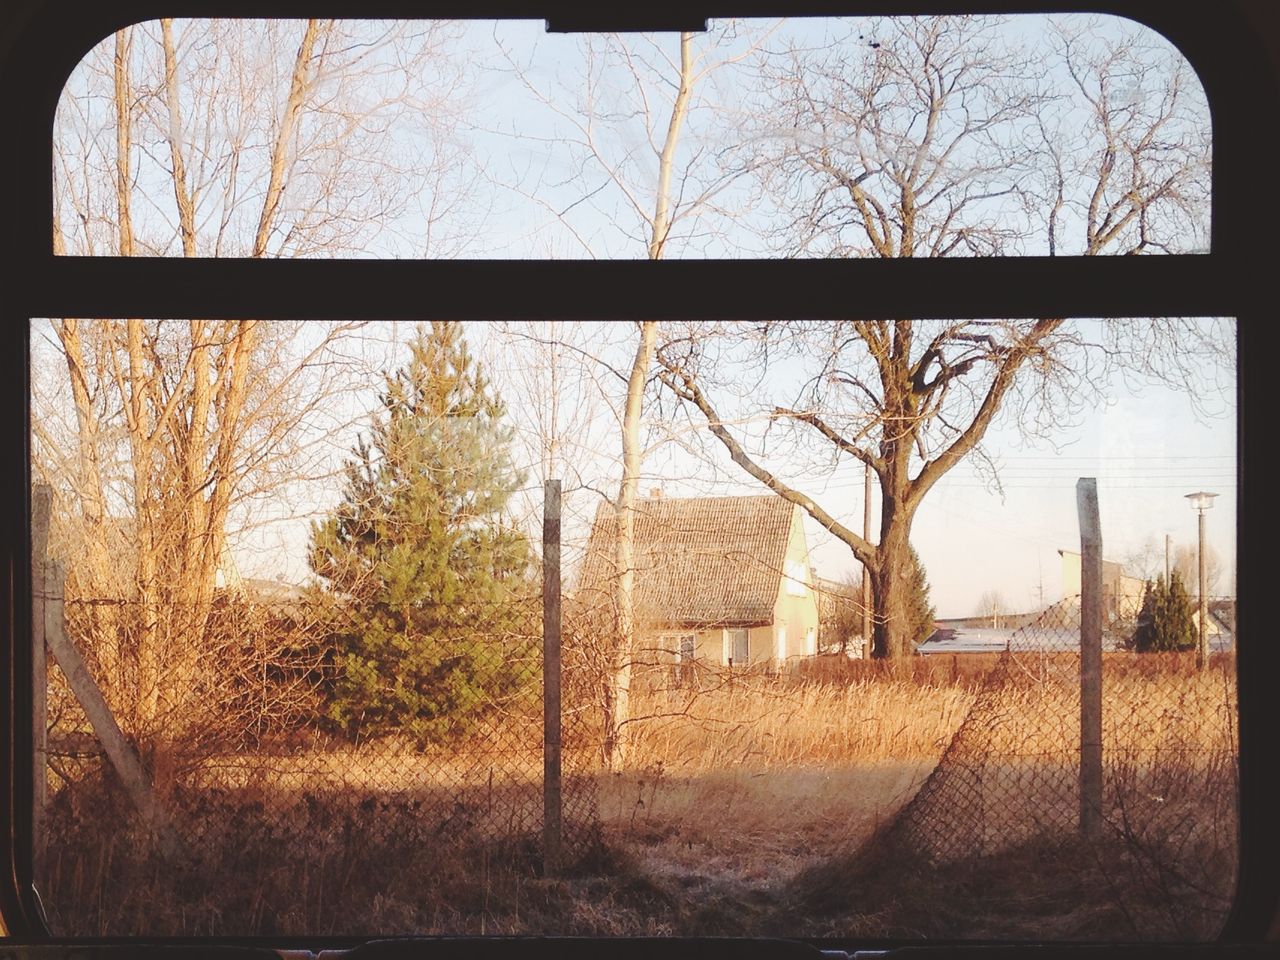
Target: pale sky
<point x="1147" y="448"/>
<point x="532" y="196"/>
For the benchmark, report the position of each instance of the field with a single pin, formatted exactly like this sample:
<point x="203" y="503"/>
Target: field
<point x="756" y="808"/>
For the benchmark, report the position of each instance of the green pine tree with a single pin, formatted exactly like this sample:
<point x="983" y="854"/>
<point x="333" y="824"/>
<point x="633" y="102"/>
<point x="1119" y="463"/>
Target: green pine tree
<point x="1143" y="638"/>
<point x="424" y="573"/>
<point x="1166" y="620"/>
<point x="920" y="611"/>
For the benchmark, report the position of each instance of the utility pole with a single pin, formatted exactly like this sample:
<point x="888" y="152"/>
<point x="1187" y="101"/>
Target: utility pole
<point x="866" y="581"/>
<point x="1200" y="502"/>
<point x="1203" y="659"/>
<point x="1167" y="540"/>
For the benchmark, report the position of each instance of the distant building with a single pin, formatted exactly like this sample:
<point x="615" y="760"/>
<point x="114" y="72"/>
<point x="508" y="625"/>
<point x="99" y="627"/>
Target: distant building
<point x="1121" y="593"/>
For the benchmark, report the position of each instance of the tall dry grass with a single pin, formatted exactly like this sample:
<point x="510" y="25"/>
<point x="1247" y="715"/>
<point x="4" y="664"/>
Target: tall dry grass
<point x="991" y="842"/>
<point x="732" y="793"/>
<point x="772" y="722"/>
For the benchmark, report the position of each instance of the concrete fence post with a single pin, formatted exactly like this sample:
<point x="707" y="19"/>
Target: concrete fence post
<point x="1090" y="656"/>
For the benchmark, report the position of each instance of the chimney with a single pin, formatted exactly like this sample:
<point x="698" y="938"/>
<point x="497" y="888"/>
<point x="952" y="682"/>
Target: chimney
<point x="655" y="493"/>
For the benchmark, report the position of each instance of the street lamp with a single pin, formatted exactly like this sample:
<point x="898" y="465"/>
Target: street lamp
<point x="1200" y="502"/>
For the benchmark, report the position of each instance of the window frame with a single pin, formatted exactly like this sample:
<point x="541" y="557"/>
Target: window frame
<point x="44" y="45"/>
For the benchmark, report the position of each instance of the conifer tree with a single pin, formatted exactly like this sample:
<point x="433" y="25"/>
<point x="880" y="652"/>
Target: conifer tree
<point x="1166" y="621"/>
<point x="425" y="574"/>
<point x="919" y="610"/>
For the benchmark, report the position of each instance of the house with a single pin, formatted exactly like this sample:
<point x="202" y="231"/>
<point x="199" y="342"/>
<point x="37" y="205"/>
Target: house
<point x="1220" y="637"/>
<point x="1121" y="593"/>
<point x="720" y="580"/>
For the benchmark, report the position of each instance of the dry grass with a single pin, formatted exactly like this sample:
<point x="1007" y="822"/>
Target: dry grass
<point x="744" y="809"/>
<point x="772" y="723"/>
<point x="991" y="845"/>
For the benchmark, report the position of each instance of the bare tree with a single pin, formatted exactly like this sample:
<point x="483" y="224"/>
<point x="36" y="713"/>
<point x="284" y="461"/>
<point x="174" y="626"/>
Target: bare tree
<point x="1186" y="564"/>
<point x="1147" y="561"/>
<point x="629" y="145"/>
<point x="222" y="138"/>
<point x="930" y="137"/>
<point x="991" y="605"/>
<point x="840" y="619"/>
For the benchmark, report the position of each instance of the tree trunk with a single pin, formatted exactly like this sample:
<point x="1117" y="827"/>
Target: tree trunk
<point x="617" y="699"/>
<point x="890" y="590"/>
<point x="101" y="570"/>
<point x="148" y="654"/>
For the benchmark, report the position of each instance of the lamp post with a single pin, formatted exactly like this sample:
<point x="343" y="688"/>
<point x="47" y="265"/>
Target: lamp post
<point x="1200" y="502"/>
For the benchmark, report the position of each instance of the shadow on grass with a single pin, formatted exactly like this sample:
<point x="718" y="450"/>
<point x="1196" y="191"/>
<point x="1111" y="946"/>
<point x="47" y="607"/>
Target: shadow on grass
<point x="1051" y="887"/>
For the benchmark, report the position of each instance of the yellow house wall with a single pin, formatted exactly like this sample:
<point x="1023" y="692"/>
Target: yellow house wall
<point x="796" y="614"/>
<point x="709" y="645"/>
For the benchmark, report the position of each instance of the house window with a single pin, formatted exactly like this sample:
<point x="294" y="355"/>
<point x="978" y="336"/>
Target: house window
<point x="686" y="646"/>
<point x="797" y="574"/>
<point x="738" y="647"/>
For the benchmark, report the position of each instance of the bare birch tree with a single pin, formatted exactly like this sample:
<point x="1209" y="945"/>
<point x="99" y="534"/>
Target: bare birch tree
<point x="632" y="155"/>
<point x="934" y="137"/>
<point x="1186" y="564"/>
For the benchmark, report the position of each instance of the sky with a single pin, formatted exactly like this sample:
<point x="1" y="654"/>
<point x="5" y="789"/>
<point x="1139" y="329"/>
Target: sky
<point x="534" y="194"/>
<point x="1148" y="446"/>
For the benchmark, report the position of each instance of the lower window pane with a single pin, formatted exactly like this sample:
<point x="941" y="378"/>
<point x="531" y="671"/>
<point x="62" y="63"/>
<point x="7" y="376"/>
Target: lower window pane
<point x="293" y="597"/>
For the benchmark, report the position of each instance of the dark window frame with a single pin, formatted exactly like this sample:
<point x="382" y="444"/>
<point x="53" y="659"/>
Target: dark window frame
<point x="1230" y="280"/>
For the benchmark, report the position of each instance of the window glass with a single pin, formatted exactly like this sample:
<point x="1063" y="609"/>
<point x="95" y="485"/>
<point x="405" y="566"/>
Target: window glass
<point x="292" y="591"/>
<point x="796" y="576"/>
<point x="688" y="644"/>
<point x="802" y="137"/>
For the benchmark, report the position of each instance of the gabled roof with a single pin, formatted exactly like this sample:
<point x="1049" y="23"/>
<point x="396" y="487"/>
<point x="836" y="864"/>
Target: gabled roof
<point x="700" y="561"/>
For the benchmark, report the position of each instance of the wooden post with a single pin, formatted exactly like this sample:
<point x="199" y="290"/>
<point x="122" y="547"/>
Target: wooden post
<point x="551" y="791"/>
<point x="41" y="508"/>
<point x="114" y="745"/>
<point x="1090" y="656"/>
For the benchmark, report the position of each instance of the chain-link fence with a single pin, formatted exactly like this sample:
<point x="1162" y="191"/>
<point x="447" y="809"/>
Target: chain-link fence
<point x="285" y="803"/>
<point x="266" y="761"/>
<point x="1010" y="781"/>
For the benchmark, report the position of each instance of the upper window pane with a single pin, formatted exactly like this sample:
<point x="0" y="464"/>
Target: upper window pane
<point x="804" y="137"/>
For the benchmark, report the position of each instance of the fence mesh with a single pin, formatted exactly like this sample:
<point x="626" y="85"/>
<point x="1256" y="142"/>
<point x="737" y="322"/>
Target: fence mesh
<point x="281" y="813"/>
<point x="1010" y="778"/>
<point x="265" y="788"/>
